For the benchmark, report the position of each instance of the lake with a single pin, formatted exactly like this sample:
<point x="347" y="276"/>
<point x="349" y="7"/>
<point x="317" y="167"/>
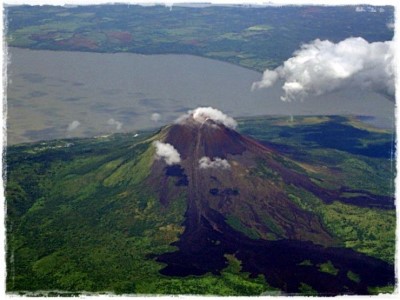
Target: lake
<point x="57" y="94"/>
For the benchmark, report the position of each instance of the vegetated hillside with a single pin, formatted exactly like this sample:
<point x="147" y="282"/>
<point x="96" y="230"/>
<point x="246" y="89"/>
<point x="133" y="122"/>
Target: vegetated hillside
<point x="289" y="212"/>
<point x="247" y="36"/>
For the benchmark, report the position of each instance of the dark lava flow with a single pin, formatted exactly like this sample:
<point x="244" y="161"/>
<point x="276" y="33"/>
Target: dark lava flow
<point x="202" y="249"/>
<point x="207" y="236"/>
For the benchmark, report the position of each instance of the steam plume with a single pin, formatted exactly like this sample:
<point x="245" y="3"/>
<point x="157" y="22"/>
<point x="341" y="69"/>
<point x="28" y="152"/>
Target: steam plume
<point x="206" y="163"/>
<point x="167" y="152"/>
<point x="201" y="114"/>
<point x="322" y="66"/>
<point x="155" y="117"/>
<point x="73" y="125"/>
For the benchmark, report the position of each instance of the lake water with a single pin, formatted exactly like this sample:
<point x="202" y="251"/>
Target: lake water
<point x="104" y="93"/>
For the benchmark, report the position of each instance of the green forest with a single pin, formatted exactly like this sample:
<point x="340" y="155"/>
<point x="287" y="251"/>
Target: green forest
<point x="80" y="220"/>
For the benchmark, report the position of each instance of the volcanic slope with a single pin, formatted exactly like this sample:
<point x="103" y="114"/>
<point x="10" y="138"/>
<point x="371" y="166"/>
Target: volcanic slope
<point x="232" y="209"/>
<point x="96" y="220"/>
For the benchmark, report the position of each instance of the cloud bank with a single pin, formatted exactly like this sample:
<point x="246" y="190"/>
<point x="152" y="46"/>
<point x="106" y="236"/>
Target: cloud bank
<point x="202" y="114"/>
<point x="167" y="152"/>
<point x="73" y="125"/>
<point x="217" y="163"/>
<point x="117" y="124"/>
<point x="322" y="66"/>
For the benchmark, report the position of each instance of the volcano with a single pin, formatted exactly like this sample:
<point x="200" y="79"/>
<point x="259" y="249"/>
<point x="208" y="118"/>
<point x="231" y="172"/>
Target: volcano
<point x="234" y="189"/>
<point x="198" y="192"/>
<point x="239" y="204"/>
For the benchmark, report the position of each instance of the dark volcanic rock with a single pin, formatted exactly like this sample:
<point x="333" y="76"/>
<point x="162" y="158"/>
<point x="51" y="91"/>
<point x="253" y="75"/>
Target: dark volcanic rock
<point x="246" y="210"/>
<point x="207" y="139"/>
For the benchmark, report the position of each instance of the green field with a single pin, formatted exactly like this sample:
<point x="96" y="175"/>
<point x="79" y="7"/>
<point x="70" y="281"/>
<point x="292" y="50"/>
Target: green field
<point x="252" y="37"/>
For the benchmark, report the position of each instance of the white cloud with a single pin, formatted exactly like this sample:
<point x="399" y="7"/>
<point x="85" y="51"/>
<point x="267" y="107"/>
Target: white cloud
<point x="202" y="114"/>
<point x="390" y="25"/>
<point x="167" y="152"/>
<point x="112" y="122"/>
<point x="322" y="66"/>
<point x="155" y="117"/>
<point x="370" y="9"/>
<point x="269" y="78"/>
<point x="206" y="163"/>
<point x="73" y="125"/>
